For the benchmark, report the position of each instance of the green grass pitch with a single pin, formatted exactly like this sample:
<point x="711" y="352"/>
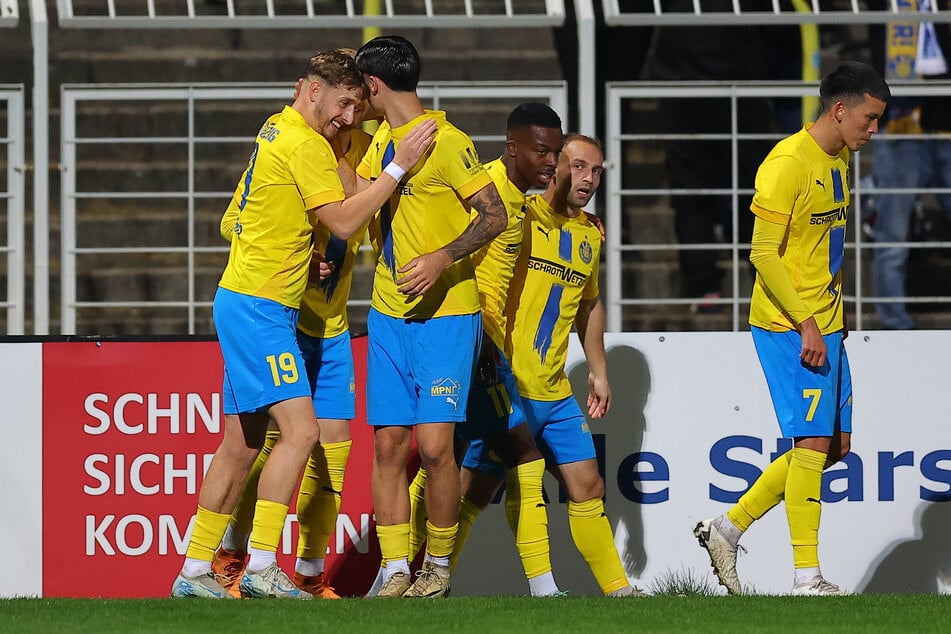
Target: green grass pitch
<point x="760" y="614"/>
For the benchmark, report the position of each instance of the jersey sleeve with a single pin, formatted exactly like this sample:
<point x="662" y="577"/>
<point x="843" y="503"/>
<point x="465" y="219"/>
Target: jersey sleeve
<point x="459" y="164"/>
<point x="778" y="185"/>
<point x="313" y="167"/>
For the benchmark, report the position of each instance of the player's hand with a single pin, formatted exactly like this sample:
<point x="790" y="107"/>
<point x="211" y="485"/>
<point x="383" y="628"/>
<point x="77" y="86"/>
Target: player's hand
<point x="297" y="87"/>
<point x="845" y="325"/>
<point x="320" y="268"/>
<point x="422" y="272"/>
<point x="596" y="221"/>
<point x="813" y="346"/>
<point x="599" y="396"/>
<point x="415" y="144"/>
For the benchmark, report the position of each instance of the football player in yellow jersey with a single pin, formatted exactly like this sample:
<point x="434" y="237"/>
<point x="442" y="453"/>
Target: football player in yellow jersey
<point x="495" y="415"/>
<point x="424" y="322"/>
<point x="798" y="323"/>
<point x="324" y="338"/>
<point x="555" y="287"/>
<point x="290" y="183"/>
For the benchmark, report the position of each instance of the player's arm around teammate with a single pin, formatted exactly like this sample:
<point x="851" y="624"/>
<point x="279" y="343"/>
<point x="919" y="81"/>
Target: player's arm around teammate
<point x="291" y="176"/>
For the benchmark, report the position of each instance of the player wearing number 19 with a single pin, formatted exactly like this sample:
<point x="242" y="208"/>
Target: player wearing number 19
<point x="290" y="183"/>
<point x="797" y="320"/>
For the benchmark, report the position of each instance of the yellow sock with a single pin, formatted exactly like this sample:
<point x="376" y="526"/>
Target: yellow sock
<point x="468" y="512"/>
<point x="803" y="505"/>
<point x="440" y="541"/>
<point x="318" y="502"/>
<point x="593" y="538"/>
<point x="766" y="492"/>
<point x="206" y="534"/>
<point x="528" y="517"/>
<point x="394" y="541"/>
<point x="242" y="517"/>
<point x="268" y="525"/>
<point x="417" y="513"/>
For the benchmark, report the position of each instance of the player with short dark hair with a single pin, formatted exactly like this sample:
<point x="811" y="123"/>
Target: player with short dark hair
<point x="798" y="322"/>
<point x="424" y="322"/>
<point x="290" y="183"/>
<point x="495" y="413"/>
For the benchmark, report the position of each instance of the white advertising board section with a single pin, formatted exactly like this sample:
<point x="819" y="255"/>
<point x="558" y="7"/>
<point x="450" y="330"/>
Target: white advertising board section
<point x="21" y="386"/>
<point x="107" y="485"/>
<point x="692" y="426"/>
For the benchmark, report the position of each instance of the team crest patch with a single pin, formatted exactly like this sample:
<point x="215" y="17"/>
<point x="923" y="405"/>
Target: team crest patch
<point x="585" y="251"/>
<point x="471" y="160"/>
<point x="447" y="388"/>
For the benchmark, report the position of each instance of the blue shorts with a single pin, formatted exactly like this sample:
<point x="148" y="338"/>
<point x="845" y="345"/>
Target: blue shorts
<point x="420" y="371"/>
<point x="263" y="363"/>
<point x="329" y="364"/>
<point x="561" y="433"/>
<point x="493" y="409"/>
<point x="808" y="401"/>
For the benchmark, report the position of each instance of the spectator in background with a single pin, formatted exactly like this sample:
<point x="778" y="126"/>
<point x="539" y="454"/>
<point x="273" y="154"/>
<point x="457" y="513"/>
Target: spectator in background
<point x="908" y="51"/>
<point x="709" y="54"/>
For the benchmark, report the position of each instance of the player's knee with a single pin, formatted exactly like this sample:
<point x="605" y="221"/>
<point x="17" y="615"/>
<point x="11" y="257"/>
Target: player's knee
<point x="304" y="436"/>
<point x="237" y="453"/>
<point x="587" y="490"/>
<point x="434" y="458"/>
<point x="390" y="449"/>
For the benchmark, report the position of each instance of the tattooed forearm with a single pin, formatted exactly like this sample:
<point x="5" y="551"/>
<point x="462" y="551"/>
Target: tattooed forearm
<point x="489" y="222"/>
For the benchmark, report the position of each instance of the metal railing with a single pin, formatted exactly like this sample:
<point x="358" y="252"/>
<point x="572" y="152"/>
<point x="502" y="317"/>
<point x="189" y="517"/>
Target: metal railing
<point x="417" y="14"/>
<point x="768" y="12"/>
<point x="9" y="13"/>
<point x="12" y="195"/>
<point x="629" y="200"/>
<point x="190" y="14"/>
<point x="180" y="181"/>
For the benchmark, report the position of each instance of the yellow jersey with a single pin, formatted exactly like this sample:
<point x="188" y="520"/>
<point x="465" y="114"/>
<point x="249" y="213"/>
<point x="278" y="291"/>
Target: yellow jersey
<point x="323" y="310"/>
<point x="557" y="269"/>
<point x="800" y="186"/>
<point x="495" y="262"/>
<point x="291" y="172"/>
<point x="426" y="212"/>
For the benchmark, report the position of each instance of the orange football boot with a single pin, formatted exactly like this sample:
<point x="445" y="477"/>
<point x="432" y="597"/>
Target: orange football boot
<point x="316" y="585"/>
<point x="229" y="567"/>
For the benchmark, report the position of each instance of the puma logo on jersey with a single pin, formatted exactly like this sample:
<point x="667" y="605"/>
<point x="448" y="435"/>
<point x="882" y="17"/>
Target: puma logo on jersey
<point x="821" y="184"/>
<point x="543" y="230"/>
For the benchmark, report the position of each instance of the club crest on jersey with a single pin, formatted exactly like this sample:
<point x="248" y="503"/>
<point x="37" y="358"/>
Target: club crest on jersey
<point x="585" y="251"/>
<point x="470" y="159"/>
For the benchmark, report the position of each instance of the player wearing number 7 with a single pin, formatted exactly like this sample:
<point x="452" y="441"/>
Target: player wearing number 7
<point x="797" y="320"/>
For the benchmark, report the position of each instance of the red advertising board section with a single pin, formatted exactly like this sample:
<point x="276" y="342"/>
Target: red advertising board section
<point x="128" y="431"/>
